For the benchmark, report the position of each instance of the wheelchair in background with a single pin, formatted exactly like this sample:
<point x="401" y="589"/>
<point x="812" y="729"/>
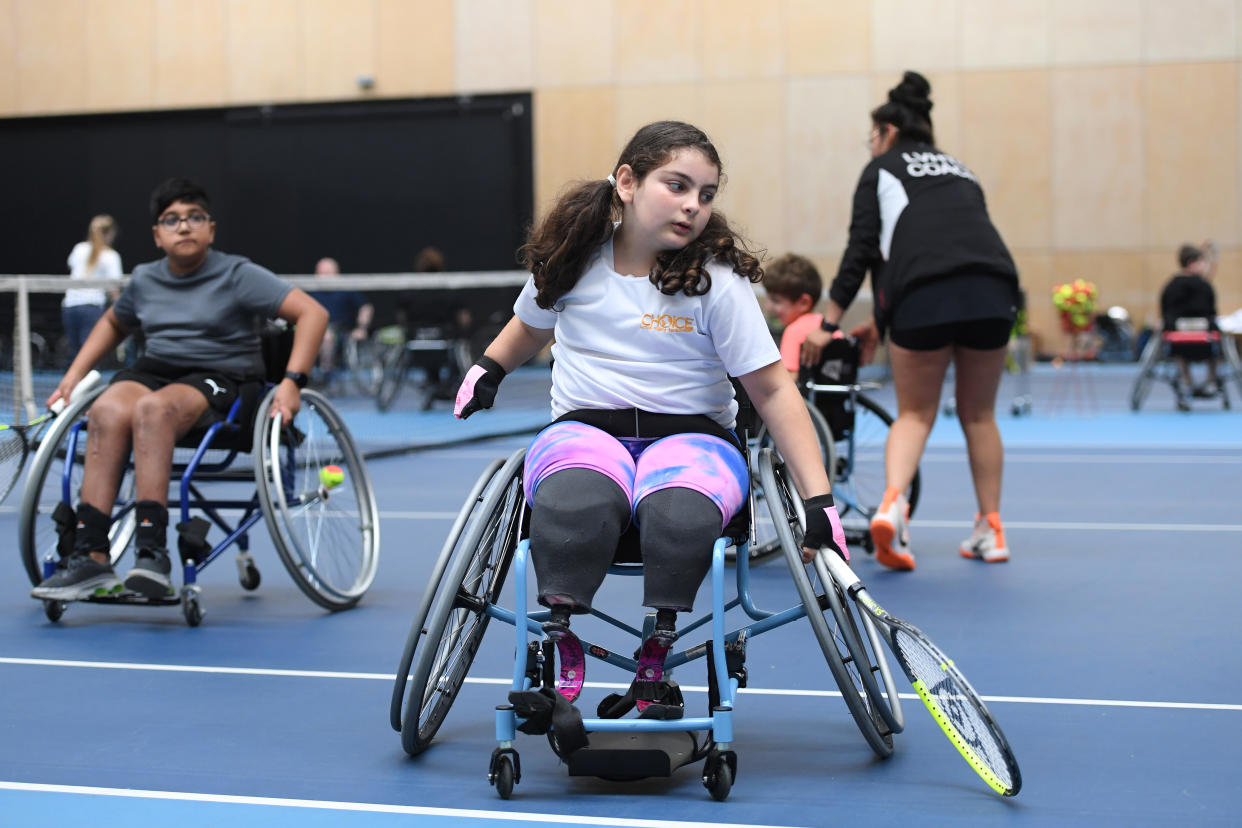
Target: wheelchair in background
<point x="1196" y="340"/>
<point x="852" y="430"/>
<point x="310" y="488"/>
<point x="488" y="541"/>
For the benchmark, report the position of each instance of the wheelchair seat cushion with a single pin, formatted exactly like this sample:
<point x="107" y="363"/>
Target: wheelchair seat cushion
<point x="238" y="433"/>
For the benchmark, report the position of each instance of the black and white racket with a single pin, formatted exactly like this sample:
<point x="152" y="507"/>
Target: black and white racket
<point x="953" y="703"/>
<point x="15" y="442"/>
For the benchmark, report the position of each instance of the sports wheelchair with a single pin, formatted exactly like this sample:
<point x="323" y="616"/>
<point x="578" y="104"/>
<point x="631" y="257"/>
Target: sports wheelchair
<point x="311" y="489"/>
<point x="1197" y="340"/>
<point x="852" y="430"/>
<point x="489" y="538"/>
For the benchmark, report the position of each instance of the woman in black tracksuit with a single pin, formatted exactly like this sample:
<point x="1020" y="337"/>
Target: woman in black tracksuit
<point x="945" y="289"/>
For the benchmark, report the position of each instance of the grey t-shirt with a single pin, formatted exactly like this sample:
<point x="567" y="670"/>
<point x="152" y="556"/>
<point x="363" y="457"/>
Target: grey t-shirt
<point x="209" y="317"/>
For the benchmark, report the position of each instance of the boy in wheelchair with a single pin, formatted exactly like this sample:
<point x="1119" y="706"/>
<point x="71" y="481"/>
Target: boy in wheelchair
<point x="1188" y="305"/>
<point x="794" y="287"/>
<point x="651" y="317"/>
<point x="199" y="310"/>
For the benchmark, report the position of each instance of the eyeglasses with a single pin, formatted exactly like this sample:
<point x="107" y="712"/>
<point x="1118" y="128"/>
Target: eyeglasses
<point x="197" y="221"/>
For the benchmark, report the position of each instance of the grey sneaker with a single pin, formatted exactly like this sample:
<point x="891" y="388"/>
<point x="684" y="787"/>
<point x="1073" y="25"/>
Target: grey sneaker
<point x="76" y="577"/>
<point x="149" y="576"/>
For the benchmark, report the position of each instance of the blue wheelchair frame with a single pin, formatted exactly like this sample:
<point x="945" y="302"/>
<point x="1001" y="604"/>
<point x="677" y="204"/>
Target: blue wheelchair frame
<point x="194" y="561"/>
<point x="721" y="762"/>
<point x="285" y="485"/>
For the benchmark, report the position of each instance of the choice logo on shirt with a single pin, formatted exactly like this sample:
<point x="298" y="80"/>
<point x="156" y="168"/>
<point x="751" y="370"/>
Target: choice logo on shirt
<point x="667" y="323"/>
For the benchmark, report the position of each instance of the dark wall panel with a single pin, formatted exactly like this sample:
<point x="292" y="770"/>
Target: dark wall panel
<point x="368" y="183"/>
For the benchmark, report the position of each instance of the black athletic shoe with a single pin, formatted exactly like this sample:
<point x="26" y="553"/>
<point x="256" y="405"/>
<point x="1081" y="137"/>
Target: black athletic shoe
<point x="76" y="577"/>
<point x="149" y="576"/>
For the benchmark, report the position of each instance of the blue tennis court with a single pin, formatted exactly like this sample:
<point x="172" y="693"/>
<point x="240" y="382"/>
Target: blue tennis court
<point x="1104" y="648"/>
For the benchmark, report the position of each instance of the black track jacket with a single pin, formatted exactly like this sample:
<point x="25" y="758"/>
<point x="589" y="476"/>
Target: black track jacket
<point x="919" y="215"/>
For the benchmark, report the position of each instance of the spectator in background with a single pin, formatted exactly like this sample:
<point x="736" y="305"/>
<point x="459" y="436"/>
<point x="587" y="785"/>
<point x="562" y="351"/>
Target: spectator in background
<point x="1189" y="295"/>
<point x="90" y="259"/>
<point x="429" y="260"/>
<point x="349" y="315"/>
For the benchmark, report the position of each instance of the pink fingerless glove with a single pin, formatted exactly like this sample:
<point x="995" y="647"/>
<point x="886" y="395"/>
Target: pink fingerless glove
<point x="478" y="389"/>
<point x="823" y="526"/>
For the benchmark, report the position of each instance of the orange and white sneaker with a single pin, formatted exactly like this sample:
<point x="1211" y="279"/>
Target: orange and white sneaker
<point x="987" y="542"/>
<point x="890" y="532"/>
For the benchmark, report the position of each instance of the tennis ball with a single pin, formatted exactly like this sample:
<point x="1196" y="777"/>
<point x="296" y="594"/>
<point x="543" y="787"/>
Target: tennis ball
<point x="331" y="476"/>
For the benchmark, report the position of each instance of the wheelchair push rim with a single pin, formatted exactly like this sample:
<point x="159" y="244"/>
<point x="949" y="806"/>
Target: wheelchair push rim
<point x="765" y="542"/>
<point x="317" y="501"/>
<point x="836" y="631"/>
<point x="44" y="488"/>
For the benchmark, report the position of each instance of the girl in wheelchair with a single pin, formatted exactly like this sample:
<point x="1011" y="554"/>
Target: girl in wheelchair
<point x="646" y="290"/>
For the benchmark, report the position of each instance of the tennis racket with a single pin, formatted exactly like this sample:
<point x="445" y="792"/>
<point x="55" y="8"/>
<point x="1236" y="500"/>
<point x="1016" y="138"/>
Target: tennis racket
<point x="15" y="439"/>
<point x="953" y="703"/>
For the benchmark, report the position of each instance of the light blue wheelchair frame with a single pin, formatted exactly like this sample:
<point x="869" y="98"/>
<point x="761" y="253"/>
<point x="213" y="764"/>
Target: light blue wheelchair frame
<point x="848" y="639"/>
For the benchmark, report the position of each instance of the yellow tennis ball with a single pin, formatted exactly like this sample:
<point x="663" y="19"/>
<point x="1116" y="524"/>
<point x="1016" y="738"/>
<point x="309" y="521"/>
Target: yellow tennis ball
<point x="331" y="476"/>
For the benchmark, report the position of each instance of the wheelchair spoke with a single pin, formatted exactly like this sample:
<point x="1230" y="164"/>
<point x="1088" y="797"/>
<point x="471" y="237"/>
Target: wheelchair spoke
<point x="327" y="533"/>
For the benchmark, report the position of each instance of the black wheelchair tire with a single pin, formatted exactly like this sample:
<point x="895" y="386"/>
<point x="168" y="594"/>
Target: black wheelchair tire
<point x="36" y="537"/>
<point x="396" y="366"/>
<point x="270" y="451"/>
<point x="474" y="578"/>
<point x="857" y="686"/>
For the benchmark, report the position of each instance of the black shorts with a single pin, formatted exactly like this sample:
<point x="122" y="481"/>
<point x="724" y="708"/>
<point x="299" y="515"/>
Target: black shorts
<point x="1193" y="351"/>
<point x="221" y="390"/>
<point x="978" y="334"/>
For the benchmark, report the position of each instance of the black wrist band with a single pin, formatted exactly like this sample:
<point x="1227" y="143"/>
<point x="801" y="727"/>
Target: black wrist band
<point x="299" y="379"/>
<point x="829" y="327"/>
<point x="491" y="366"/>
<point x="818" y="502"/>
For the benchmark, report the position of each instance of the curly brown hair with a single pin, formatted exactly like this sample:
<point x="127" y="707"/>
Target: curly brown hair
<point x="557" y="250"/>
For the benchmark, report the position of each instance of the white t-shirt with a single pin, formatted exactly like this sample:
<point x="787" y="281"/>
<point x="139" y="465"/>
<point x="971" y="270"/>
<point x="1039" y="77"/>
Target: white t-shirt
<point x="107" y="266"/>
<point x="621" y="343"/>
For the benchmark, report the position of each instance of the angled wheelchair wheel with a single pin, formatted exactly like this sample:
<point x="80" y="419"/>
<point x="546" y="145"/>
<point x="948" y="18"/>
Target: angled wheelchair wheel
<point x="362" y="363"/>
<point x="394" y="368"/>
<point x="858" y="486"/>
<point x="1229" y="352"/>
<point x="443" y="647"/>
<point x="765" y="541"/>
<point x="853" y="666"/>
<point x="55" y="474"/>
<point x="1147" y="372"/>
<point x="317" y="501"/>
<point x="433" y="581"/>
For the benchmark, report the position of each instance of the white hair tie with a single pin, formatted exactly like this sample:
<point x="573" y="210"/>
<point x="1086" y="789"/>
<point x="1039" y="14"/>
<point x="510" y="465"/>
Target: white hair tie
<point x="612" y="180"/>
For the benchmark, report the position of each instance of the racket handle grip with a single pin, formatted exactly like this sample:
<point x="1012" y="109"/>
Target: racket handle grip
<point x="85" y="384"/>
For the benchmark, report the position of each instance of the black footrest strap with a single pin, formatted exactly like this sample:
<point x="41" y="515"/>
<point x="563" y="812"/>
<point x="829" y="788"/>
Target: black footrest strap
<point x="545" y="709"/>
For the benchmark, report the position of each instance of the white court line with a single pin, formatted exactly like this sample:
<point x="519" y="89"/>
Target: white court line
<point x="260" y="671"/>
<point x="1010" y="457"/>
<point x="366" y="807"/>
<point x="1054" y="526"/>
<point x="1069" y="526"/>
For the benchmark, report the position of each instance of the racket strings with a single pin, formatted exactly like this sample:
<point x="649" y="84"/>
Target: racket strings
<point x="11" y="445"/>
<point x="956" y="702"/>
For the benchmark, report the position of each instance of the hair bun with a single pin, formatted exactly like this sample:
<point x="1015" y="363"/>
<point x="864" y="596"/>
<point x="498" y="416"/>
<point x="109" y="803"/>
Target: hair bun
<point x="912" y="92"/>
